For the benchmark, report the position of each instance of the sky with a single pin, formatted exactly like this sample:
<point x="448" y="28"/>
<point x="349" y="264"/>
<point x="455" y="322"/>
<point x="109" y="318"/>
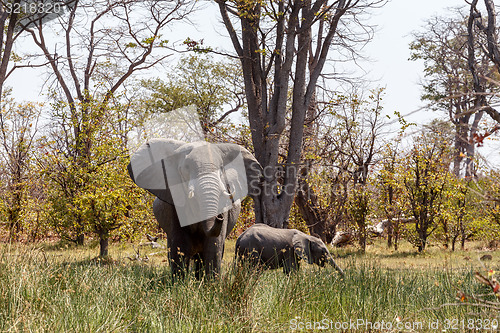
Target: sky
<point x="389" y="52"/>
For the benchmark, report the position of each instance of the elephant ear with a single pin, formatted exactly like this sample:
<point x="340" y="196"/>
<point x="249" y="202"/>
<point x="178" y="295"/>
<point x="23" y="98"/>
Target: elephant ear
<point x="149" y="165"/>
<point x="302" y="246"/>
<point x="242" y="168"/>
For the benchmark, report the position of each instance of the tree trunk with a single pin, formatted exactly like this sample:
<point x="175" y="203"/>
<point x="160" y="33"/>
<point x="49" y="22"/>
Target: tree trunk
<point x="362" y="238"/>
<point x="453" y="241"/>
<point x="470" y="169"/>
<point x="446" y="233"/>
<point x="390" y="213"/>
<point x="103" y="245"/>
<point x="306" y="200"/>
<point x="80" y="239"/>
<point x="462" y="242"/>
<point x="422" y="235"/>
<point x="396" y="236"/>
<point x="459" y="146"/>
<point x="390" y="230"/>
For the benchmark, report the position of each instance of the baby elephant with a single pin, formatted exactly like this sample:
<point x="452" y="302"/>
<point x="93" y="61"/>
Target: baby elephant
<point x="272" y="248"/>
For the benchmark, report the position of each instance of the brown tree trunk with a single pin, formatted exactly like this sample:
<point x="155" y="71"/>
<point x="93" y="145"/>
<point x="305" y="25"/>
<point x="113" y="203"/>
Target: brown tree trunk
<point x="396" y="235"/>
<point x="470" y="169"/>
<point x="80" y="239"/>
<point x="390" y="231"/>
<point x="103" y="244"/>
<point x="453" y="241"/>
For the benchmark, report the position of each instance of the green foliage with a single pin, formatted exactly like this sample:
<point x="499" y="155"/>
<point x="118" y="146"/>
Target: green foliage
<point x="358" y="208"/>
<point x="425" y="180"/>
<point x="18" y="129"/>
<point x="296" y="220"/>
<point x="391" y="182"/>
<point x="403" y="123"/>
<point x="245" y="219"/>
<point x="460" y="215"/>
<point x="490" y="188"/>
<point x="213" y="86"/>
<point x="197" y="46"/>
<point x="89" y="190"/>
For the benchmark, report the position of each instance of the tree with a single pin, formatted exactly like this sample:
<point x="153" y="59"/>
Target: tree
<point x="392" y="191"/>
<point x="490" y="189"/>
<point x="11" y="29"/>
<point x="280" y="40"/>
<point x="104" y="43"/>
<point x="425" y="181"/>
<point x="323" y="195"/>
<point x="449" y="84"/>
<point x="18" y="129"/>
<point x="98" y="199"/>
<point x="214" y="87"/>
<point x="486" y="36"/>
<point x="16" y="121"/>
<point x="459" y="217"/>
<point x="338" y="153"/>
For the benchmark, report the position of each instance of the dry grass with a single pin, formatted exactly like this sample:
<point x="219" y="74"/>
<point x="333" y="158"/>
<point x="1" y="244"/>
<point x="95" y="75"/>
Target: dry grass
<point x="59" y="288"/>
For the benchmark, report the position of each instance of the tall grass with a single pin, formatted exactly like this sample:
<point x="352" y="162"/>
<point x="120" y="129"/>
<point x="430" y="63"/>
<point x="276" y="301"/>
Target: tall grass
<point x="41" y="294"/>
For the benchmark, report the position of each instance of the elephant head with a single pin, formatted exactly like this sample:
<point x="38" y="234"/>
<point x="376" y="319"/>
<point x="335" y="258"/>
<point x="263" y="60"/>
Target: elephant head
<point x="203" y="180"/>
<point x="313" y="250"/>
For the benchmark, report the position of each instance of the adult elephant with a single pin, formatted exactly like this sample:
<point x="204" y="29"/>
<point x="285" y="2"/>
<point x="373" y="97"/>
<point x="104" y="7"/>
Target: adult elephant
<point x="199" y="187"/>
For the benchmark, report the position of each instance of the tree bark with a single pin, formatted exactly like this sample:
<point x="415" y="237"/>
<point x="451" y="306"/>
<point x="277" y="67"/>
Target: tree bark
<point x="80" y="239"/>
<point x="103" y="246"/>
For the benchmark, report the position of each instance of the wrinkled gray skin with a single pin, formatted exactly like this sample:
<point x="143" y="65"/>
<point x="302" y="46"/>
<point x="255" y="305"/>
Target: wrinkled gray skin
<point x="202" y="242"/>
<point x="272" y="248"/>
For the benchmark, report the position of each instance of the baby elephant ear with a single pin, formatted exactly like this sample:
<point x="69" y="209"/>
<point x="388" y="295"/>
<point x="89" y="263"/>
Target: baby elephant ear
<point x="148" y="166"/>
<point x="302" y="247"/>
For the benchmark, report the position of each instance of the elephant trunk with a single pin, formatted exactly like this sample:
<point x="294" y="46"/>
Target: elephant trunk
<point x="334" y="264"/>
<point x="213" y="227"/>
<point x="210" y="191"/>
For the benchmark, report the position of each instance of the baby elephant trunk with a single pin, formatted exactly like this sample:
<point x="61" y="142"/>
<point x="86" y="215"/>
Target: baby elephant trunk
<point x="334" y="264"/>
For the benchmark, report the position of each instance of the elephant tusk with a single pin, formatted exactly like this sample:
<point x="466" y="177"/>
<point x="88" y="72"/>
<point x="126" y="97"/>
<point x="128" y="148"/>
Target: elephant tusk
<point x="190" y="191"/>
<point x="228" y="189"/>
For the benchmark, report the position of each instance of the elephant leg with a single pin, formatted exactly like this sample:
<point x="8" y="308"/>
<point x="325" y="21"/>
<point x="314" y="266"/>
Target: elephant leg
<point x="287" y="266"/>
<point x="290" y="264"/>
<point x="212" y="256"/>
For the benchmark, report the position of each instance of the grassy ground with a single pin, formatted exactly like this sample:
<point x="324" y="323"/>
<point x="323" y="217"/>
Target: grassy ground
<point x="45" y="288"/>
